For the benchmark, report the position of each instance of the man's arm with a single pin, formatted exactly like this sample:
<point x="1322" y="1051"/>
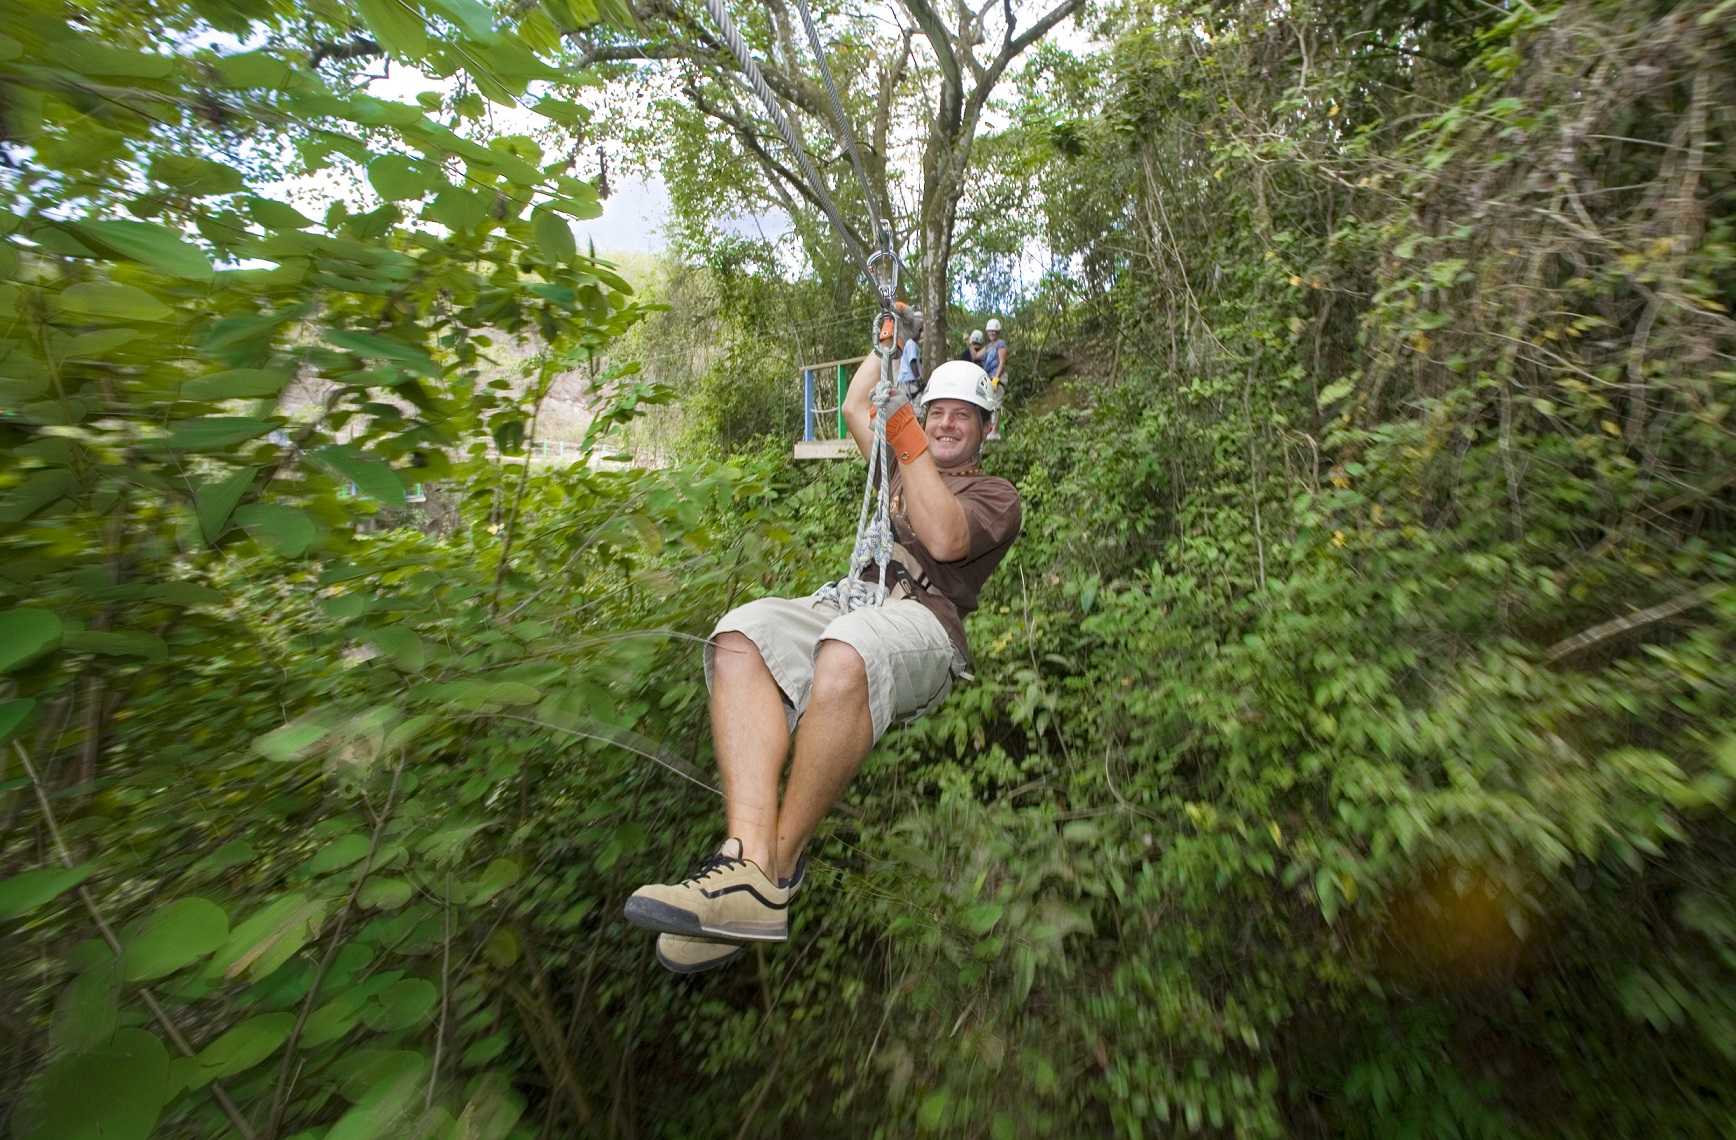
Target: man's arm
<point x="934" y="512"/>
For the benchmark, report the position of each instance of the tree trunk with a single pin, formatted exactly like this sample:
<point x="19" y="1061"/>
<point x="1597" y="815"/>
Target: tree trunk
<point x="943" y="160"/>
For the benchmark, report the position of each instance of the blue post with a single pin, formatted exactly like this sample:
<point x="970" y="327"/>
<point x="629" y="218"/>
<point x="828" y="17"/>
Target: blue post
<point x="807" y="404"/>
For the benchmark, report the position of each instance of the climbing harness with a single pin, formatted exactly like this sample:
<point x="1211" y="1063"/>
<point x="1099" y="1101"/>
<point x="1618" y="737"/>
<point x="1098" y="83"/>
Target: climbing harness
<point x="874" y="540"/>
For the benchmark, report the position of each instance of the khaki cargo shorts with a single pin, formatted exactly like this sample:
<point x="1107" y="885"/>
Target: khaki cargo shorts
<point x="909" y="657"/>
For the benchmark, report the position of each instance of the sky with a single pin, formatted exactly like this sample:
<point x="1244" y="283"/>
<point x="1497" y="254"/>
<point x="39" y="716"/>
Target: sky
<point x="633" y="217"/>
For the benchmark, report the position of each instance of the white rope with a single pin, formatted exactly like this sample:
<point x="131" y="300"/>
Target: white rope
<point x="874" y="520"/>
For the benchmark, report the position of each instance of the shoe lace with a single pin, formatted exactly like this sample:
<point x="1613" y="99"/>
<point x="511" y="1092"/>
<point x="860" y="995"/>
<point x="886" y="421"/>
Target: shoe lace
<point x="711" y="865"/>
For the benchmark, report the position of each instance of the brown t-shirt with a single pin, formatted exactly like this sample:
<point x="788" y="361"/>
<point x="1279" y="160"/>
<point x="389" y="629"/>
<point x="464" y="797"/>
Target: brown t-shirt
<point x="992" y="512"/>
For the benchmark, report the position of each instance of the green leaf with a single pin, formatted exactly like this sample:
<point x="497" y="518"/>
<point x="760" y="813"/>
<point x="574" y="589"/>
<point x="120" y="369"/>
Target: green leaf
<point x="25" y="635"/>
<point x="469" y="15"/>
<point x="173" y="937"/>
<point x="554" y="237"/>
<point x="150" y="244"/>
<point x="24" y="893"/>
<point x="501" y="947"/>
<point x="194" y="176"/>
<point x="118" y="643"/>
<point x="499" y="875"/>
<point x="88" y="57"/>
<point x="345" y="607"/>
<point x="115" y="1091"/>
<point x="275" y="215"/>
<point x="289" y="742"/>
<point x="980" y="919"/>
<point x="268" y="939"/>
<point x="40" y="489"/>
<point x="110" y="301"/>
<point x="231" y="854"/>
<point x="1336" y="391"/>
<point x="99" y="344"/>
<point x="407" y="1003"/>
<point x="401" y="646"/>
<point x="399" y="27"/>
<point x="488" y="1048"/>
<point x="335" y="1018"/>
<point x="539" y="33"/>
<point x="244" y="1046"/>
<point x="215" y="502"/>
<point x="916" y="857"/>
<point x="449" y="841"/>
<point x="384" y="894"/>
<point x="287" y="530"/>
<point x="562" y="112"/>
<point x="387" y="1096"/>
<point x="214" y="433"/>
<point x="12" y="714"/>
<point x="933" y="1111"/>
<point x="397" y="176"/>
<point x="384" y="348"/>
<point x="457" y="209"/>
<point x="237" y="384"/>
<point x="88" y="1008"/>
<point x="340" y="852"/>
<point x="583" y="210"/>
<point x="254" y="69"/>
<point x="371" y="476"/>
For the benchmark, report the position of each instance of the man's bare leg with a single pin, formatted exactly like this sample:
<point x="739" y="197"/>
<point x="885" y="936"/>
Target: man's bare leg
<point x="834" y="738"/>
<point x="752" y="737"/>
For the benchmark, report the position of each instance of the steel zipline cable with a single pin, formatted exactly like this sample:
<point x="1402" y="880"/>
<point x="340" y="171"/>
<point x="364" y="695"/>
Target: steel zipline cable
<point x="749" y="68"/>
<point x="874" y="522"/>
<point x="847" y="136"/>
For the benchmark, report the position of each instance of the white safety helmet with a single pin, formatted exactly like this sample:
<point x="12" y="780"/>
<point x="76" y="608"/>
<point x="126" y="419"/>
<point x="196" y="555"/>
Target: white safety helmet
<point x="994" y="324"/>
<point x="976" y="336"/>
<point x="962" y="380"/>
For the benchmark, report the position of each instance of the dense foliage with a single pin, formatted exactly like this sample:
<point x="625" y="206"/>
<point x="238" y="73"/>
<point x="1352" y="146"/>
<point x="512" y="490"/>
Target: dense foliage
<point x="1352" y="749"/>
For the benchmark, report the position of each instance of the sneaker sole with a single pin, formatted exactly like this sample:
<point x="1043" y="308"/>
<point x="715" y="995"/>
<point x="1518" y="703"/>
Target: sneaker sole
<point x="700" y="967"/>
<point x="649" y="914"/>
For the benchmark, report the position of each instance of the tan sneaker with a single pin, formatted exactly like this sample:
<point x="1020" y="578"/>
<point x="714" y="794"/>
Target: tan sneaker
<point x="727" y="896"/>
<point x="686" y="954"/>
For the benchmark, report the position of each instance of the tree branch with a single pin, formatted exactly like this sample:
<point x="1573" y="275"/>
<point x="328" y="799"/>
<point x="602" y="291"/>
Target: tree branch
<point x="1013" y="47"/>
<point x="750" y="138"/>
<point x="359" y="48"/>
<point x="1647" y="616"/>
<point x="952" y="86"/>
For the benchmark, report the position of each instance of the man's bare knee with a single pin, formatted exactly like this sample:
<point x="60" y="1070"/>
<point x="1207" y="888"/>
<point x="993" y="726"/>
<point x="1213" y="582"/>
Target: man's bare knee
<point x="839" y="673"/>
<point x="733" y="652"/>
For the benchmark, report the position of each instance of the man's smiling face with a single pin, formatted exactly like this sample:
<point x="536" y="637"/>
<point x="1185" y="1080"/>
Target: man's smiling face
<point x="955" y="432"/>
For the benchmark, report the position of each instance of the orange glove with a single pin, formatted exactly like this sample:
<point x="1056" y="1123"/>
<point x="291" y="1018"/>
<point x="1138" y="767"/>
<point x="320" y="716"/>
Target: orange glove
<point x="903" y="432"/>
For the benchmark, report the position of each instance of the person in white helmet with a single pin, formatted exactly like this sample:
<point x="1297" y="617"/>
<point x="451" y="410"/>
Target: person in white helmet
<point x="907" y="339"/>
<point x="994" y="360"/>
<point x="973" y="348"/>
<point x="779" y="666"/>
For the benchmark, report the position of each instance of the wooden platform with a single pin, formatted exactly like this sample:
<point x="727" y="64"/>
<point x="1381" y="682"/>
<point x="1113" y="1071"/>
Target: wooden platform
<point x="826" y="449"/>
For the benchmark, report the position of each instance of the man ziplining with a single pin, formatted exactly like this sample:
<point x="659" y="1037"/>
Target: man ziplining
<point x="838" y="679"/>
